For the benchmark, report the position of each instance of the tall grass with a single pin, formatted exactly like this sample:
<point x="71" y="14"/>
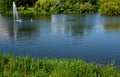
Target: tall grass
<point x="12" y="66"/>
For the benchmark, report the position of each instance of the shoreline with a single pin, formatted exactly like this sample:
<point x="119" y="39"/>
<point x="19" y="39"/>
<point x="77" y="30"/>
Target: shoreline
<point x="26" y="66"/>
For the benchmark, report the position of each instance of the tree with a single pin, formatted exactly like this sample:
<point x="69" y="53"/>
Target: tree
<point x="45" y="6"/>
<point x="25" y="3"/>
<point x="86" y="7"/>
<point x="110" y="8"/>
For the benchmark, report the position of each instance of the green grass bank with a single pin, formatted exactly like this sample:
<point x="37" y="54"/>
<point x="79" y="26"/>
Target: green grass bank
<point x="13" y="66"/>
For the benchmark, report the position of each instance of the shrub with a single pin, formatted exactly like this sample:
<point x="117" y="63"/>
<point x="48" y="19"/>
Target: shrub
<point x="110" y="8"/>
<point x="45" y="6"/>
<point x="86" y="8"/>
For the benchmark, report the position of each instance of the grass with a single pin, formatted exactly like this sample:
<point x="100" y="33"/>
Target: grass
<point x="13" y="66"/>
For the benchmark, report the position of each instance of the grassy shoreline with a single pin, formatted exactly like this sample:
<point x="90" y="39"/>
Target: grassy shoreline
<point x="13" y="66"/>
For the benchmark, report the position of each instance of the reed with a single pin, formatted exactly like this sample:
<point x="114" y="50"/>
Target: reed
<point x="26" y="66"/>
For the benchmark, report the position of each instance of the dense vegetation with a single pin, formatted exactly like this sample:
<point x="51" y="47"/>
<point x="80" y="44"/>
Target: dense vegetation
<point x="12" y="66"/>
<point x="64" y="6"/>
<point x="106" y="7"/>
<point x="52" y="6"/>
<point x="109" y="7"/>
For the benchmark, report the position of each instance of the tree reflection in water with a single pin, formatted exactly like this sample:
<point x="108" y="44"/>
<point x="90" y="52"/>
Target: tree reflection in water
<point x="81" y="30"/>
<point x="112" y="28"/>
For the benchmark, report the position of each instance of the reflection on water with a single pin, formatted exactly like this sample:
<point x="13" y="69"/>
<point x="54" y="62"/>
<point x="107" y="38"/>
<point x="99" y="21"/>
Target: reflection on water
<point x="15" y="30"/>
<point x="64" y="36"/>
<point x="58" y="24"/>
<point x="111" y="28"/>
<point x="4" y="34"/>
<point x="25" y="31"/>
<point x="81" y="30"/>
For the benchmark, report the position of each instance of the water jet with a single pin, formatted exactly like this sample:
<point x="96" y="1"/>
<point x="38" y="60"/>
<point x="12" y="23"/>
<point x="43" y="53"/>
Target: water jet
<point x="15" y="13"/>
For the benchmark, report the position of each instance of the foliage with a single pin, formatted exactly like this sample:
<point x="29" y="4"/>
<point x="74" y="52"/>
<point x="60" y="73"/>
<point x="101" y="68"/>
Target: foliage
<point x="109" y="7"/>
<point x="51" y="6"/>
<point x="12" y="66"/>
<point x="45" y="6"/>
<point x="25" y="3"/>
<point x="65" y="6"/>
<point x="85" y="8"/>
<point x="106" y="1"/>
<point x="7" y="4"/>
<point x="27" y="12"/>
<point x="105" y="7"/>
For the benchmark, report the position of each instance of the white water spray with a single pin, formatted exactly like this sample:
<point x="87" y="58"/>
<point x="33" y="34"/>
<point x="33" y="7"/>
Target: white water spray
<point x="15" y="13"/>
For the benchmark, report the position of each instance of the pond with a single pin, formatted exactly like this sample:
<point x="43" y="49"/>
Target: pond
<point x="91" y="37"/>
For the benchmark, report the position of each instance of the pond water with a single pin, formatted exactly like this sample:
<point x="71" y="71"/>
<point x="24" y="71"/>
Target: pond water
<point x="91" y="37"/>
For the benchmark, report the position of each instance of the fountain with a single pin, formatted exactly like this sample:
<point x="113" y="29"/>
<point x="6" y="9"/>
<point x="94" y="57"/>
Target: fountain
<point x="15" y="13"/>
<point x="15" y="18"/>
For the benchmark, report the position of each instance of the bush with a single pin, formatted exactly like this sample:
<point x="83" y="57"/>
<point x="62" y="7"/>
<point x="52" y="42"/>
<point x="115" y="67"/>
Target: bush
<point x="110" y="8"/>
<point x="27" y="12"/>
<point x="45" y="6"/>
<point x="86" y="8"/>
<point x="66" y="6"/>
<point x="106" y="1"/>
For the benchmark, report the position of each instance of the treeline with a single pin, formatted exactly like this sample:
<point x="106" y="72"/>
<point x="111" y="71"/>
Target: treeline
<point x="106" y="7"/>
<point x="53" y="6"/>
<point x="66" y="6"/>
<point x="6" y="5"/>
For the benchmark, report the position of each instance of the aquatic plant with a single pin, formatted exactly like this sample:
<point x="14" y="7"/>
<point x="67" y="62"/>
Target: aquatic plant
<point x="13" y="66"/>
